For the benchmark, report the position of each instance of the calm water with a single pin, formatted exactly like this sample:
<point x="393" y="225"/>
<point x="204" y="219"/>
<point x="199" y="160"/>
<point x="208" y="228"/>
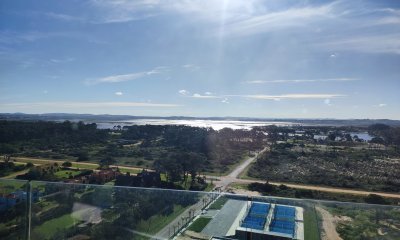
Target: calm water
<point x="362" y="135"/>
<point x="214" y="124"/>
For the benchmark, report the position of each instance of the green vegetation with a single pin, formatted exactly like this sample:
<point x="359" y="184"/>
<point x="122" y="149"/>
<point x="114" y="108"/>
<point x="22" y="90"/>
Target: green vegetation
<point x="219" y="203"/>
<point x="285" y="191"/>
<point x="367" y="223"/>
<point x="199" y="224"/>
<point x="8" y="168"/>
<point x="158" y="222"/>
<point x="65" y="174"/>
<point x="48" y="229"/>
<point x="179" y="152"/>
<point x="339" y="161"/>
<point x="311" y="228"/>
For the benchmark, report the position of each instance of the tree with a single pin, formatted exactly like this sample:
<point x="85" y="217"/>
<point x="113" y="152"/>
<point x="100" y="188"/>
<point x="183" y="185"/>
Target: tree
<point x="82" y="156"/>
<point x="375" y="199"/>
<point x="66" y="164"/>
<point x="106" y="162"/>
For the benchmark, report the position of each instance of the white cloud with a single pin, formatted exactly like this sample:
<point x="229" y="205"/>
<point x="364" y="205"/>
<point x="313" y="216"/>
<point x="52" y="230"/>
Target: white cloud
<point x="208" y="93"/>
<point x="377" y="43"/>
<point x="64" y="17"/>
<point x="184" y="92"/>
<point x="290" y="96"/>
<point x="303" y="80"/>
<point x="126" y="77"/>
<point x="382" y="105"/>
<point x="191" y="67"/>
<point x="209" y="10"/>
<point x="225" y="100"/>
<point x="118" y="93"/>
<point x="272" y="21"/>
<point x="87" y="104"/>
<point x="196" y="95"/>
<point x="62" y="60"/>
<point x="328" y="102"/>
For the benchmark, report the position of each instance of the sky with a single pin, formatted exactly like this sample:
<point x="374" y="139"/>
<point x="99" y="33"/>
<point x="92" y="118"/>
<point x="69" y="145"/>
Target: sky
<point x="201" y="58"/>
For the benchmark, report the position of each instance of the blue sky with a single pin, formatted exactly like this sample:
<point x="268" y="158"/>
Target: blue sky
<point x="251" y="58"/>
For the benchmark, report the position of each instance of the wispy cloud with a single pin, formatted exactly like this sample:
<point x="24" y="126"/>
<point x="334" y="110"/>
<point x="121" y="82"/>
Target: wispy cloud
<point x="272" y="21"/>
<point x="62" y="60"/>
<point x="244" y="18"/>
<point x="63" y="17"/>
<point x="381" y="105"/>
<point x="197" y="95"/>
<point x="125" y="77"/>
<point x="225" y="100"/>
<point x="328" y="102"/>
<point x="302" y="80"/>
<point x="184" y="92"/>
<point x="289" y="96"/>
<point x="191" y="67"/>
<point x="210" y="10"/>
<point x="207" y="95"/>
<point x="87" y="104"/>
<point x="119" y="93"/>
<point x="377" y="43"/>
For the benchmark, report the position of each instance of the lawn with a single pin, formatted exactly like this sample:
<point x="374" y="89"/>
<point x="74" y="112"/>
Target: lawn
<point x="199" y="224"/>
<point x="311" y="231"/>
<point x="66" y="173"/>
<point x="219" y="203"/>
<point x="10" y="185"/>
<point x="47" y="205"/>
<point x="50" y="228"/>
<point x="158" y="222"/>
<point x="131" y="171"/>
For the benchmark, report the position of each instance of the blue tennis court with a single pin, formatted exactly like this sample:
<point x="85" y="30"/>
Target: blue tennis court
<point x="259" y="209"/>
<point x="284" y="212"/>
<point x="282" y="227"/>
<point x="256" y="217"/>
<point x="253" y="222"/>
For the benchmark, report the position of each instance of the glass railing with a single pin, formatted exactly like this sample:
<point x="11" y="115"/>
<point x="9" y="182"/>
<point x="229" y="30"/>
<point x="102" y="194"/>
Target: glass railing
<point x="47" y="210"/>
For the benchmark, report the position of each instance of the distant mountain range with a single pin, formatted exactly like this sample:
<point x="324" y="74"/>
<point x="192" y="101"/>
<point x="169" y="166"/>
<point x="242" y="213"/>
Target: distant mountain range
<point x="112" y="118"/>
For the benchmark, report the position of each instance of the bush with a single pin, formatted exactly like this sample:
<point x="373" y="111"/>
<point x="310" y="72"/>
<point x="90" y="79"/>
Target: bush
<point x="67" y="164"/>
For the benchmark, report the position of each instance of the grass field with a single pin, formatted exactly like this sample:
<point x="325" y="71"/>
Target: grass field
<point x="66" y="173"/>
<point x="50" y="228"/>
<point x="158" y="222"/>
<point x="311" y="231"/>
<point x="219" y="203"/>
<point x="80" y="165"/>
<point x="199" y="224"/>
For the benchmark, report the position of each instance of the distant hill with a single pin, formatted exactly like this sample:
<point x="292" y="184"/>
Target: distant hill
<point x="111" y="118"/>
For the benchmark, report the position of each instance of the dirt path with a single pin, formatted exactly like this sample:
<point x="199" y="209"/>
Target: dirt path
<point x="77" y="164"/>
<point x="328" y="225"/>
<point x="224" y="181"/>
<point x="233" y="177"/>
<point x="13" y="175"/>
<point x="322" y="189"/>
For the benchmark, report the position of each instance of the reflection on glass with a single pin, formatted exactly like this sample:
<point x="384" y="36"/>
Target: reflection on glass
<point x="46" y="210"/>
<point x="13" y="209"/>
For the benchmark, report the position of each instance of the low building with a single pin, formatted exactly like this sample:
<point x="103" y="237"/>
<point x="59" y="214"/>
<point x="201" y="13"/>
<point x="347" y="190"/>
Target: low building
<point x="271" y="221"/>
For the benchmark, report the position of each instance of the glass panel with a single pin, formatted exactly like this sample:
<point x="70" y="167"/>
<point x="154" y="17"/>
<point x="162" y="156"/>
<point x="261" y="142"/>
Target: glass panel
<point x="78" y="211"/>
<point x="13" y="209"/>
